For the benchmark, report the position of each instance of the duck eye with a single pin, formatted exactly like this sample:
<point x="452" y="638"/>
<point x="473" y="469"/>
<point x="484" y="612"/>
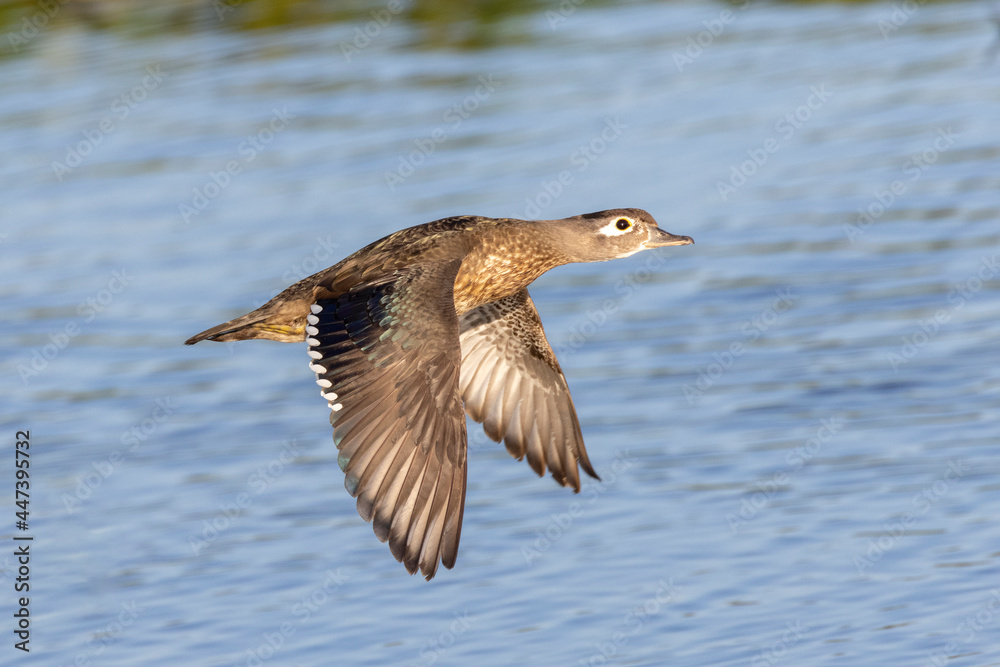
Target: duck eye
<point x="623" y="224"/>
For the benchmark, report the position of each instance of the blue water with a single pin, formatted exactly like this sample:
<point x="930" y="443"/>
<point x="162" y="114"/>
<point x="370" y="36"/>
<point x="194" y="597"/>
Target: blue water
<point x="796" y="419"/>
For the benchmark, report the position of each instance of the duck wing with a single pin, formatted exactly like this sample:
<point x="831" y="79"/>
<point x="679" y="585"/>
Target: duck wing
<point x="513" y="385"/>
<point x="386" y="356"/>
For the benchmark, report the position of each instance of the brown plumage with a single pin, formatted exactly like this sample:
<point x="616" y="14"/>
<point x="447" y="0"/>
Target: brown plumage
<point x="408" y="329"/>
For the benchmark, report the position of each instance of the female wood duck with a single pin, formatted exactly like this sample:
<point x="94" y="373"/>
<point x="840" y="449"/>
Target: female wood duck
<point x="408" y="329"/>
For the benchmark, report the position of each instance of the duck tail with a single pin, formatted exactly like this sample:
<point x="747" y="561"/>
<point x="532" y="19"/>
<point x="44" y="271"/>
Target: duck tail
<point x="254" y="325"/>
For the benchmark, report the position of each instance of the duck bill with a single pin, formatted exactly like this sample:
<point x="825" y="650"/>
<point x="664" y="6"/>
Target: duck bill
<point x="659" y="238"/>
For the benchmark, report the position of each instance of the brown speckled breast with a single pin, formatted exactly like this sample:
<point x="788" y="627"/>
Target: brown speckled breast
<point x="507" y="258"/>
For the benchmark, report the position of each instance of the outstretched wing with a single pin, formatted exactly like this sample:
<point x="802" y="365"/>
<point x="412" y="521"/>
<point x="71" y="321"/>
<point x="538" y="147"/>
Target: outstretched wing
<point x="386" y="358"/>
<point x="512" y="384"/>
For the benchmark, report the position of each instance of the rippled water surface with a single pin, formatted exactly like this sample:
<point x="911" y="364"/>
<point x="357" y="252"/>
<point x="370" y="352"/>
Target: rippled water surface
<point x="795" y="419"/>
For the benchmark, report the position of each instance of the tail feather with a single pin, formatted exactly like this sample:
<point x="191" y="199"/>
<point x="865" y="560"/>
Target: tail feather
<point x="252" y="326"/>
<point x="231" y="330"/>
<point x="283" y="319"/>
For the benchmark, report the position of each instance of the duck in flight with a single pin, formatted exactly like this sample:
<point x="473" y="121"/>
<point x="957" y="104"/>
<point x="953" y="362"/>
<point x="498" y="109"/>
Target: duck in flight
<point x="415" y="330"/>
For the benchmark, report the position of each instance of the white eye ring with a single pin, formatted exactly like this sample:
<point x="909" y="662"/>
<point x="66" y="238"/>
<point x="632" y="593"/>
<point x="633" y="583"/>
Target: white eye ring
<point x="612" y="229"/>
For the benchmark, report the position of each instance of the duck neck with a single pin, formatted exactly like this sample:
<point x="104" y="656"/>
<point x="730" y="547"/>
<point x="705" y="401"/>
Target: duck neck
<point x="508" y="258"/>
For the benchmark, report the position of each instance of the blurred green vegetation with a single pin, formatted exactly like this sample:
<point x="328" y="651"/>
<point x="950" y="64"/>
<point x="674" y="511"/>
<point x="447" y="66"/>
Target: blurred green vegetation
<point x="454" y="23"/>
<point x="466" y="24"/>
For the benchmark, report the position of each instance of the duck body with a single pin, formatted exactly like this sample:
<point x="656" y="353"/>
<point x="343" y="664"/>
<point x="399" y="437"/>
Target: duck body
<point x="415" y="330"/>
